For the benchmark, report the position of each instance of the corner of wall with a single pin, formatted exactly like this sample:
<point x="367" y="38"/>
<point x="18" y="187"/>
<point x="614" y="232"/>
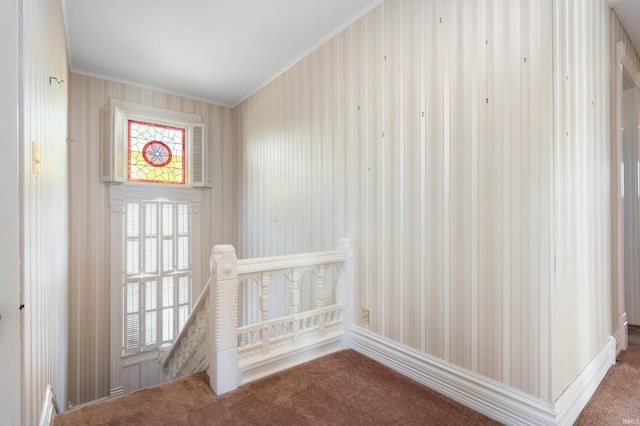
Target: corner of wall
<point x="573" y="400"/>
<point x="495" y="400"/>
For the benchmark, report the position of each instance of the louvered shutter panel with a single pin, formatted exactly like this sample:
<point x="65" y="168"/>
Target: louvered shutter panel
<point x="113" y="139"/>
<point x="200" y="139"/>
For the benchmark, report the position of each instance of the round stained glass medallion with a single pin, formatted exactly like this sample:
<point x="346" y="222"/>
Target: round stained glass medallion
<point x="156" y="153"/>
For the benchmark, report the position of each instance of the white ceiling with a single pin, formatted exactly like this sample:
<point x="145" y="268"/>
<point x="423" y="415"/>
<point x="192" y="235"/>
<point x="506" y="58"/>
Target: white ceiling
<point x="219" y="51"/>
<point x="629" y="13"/>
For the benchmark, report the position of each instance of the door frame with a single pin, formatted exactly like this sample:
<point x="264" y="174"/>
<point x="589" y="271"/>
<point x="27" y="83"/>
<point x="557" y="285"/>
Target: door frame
<point x="619" y="314"/>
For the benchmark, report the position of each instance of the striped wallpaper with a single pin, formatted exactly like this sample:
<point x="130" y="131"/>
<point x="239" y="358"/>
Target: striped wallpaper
<point x="462" y="145"/>
<point x="10" y="216"/>
<point x="580" y="295"/>
<point x="433" y="134"/>
<point x="90" y="219"/>
<point x="618" y="34"/>
<point x="45" y="200"/>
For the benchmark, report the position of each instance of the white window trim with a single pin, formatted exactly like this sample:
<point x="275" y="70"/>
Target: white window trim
<point x="154" y="114"/>
<point x="114" y="142"/>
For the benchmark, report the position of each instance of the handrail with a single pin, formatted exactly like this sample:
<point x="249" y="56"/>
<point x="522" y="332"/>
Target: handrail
<point x="211" y="337"/>
<point x="200" y="304"/>
<point x="276" y="263"/>
<point x="253" y="265"/>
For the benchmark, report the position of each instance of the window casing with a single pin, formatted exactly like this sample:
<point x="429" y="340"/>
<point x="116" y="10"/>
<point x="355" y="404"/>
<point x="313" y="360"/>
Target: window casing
<point x="156" y="267"/>
<point x="144" y="144"/>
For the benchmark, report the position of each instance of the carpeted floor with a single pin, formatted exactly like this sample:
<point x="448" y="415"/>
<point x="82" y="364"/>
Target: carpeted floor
<point x="344" y="388"/>
<point x="617" y="399"/>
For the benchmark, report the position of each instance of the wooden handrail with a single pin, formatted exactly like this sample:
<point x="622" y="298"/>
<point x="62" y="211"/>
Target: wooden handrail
<point x="210" y="334"/>
<point x="200" y="304"/>
<point x="276" y="263"/>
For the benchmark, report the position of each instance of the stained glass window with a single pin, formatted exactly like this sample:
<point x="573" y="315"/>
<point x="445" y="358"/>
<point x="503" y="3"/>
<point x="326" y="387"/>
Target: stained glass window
<point x="156" y="153"/>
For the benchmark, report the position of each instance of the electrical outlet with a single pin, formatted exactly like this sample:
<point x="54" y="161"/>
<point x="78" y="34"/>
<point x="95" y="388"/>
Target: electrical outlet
<point x="365" y="316"/>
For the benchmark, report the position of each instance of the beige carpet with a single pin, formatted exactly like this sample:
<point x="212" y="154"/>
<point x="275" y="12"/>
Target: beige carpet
<point x="617" y="399"/>
<point x="345" y="388"/>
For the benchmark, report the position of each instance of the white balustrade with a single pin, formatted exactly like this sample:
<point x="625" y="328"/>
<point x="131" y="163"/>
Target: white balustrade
<point x="312" y="321"/>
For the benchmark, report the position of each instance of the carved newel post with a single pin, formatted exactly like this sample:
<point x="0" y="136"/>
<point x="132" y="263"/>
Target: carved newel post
<point x="223" y="327"/>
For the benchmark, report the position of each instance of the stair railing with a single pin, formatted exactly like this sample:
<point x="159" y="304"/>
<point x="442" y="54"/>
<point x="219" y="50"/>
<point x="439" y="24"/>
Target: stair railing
<point x="232" y="355"/>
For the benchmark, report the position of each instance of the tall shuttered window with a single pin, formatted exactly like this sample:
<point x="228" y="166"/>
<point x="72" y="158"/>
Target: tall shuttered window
<point x="157" y="279"/>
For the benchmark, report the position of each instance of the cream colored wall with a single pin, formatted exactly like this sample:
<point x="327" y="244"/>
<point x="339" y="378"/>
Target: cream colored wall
<point x="631" y="206"/>
<point x="617" y="34"/>
<point x="90" y="218"/>
<point x="11" y="352"/>
<point x="581" y="289"/>
<point x="45" y="201"/>
<point x="424" y="132"/>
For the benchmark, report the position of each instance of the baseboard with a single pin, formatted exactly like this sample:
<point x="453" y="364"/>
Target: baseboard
<point x="280" y="361"/>
<point x="86" y="404"/>
<point x="118" y="391"/>
<point x="493" y="399"/>
<point x="621" y="334"/>
<point x="573" y="400"/>
<point x="49" y="408"/>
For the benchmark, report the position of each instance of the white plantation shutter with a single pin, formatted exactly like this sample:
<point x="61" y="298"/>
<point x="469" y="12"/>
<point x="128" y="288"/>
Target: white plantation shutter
<point x="167" y="308"/>
<point x="151" y="328"/>
<point x="133" y="318"/>
<point x="133" y="256"/>
<point x="167" y="219"/>
<point x="113" y="140"/>
<point x="151" y="312"/>
<point x="200" y="141"/>
<point x="183" y="219"/>
<point x="151" y="255"/>
<point x="184" y="290"/>
<point x="183" y="253"/>
<point x="182" y="229"/>
<point x="133" y="220"/>
<point x="158" y="275"/>
<point x="151" y="238"/>
<point x="167" y="255"/>
<point x="167" y="237"/>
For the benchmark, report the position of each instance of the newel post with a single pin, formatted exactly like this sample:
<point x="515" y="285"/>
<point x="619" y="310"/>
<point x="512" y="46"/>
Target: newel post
<point x="348" y="299"/>
<point x="223" y="326"/>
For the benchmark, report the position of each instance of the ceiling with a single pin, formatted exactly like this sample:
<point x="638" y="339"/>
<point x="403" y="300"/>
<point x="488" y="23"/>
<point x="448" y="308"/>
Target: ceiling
<point x="629" y="13"/>
<point x="219" y="51"/>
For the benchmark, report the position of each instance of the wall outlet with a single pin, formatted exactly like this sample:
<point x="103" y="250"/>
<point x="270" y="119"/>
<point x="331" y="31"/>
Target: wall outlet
<point x="365" y="316"/>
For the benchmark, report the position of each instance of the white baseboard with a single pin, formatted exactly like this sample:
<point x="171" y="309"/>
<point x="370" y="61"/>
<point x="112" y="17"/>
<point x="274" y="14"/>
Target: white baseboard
<point x="86" y="404"/>
<point x="493" y="399"/>
<point x="276" y="362"/>
<point x="621" y="334"/>
<point x="118" y="391"/>
<point x="573" y="400"/>
<point x="49" y="408"/>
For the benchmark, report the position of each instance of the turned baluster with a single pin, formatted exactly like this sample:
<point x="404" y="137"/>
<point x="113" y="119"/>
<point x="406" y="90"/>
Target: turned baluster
<point x="264" y="310"/>
<point x="294" y="301"/>
<point x="320" y="298"/>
